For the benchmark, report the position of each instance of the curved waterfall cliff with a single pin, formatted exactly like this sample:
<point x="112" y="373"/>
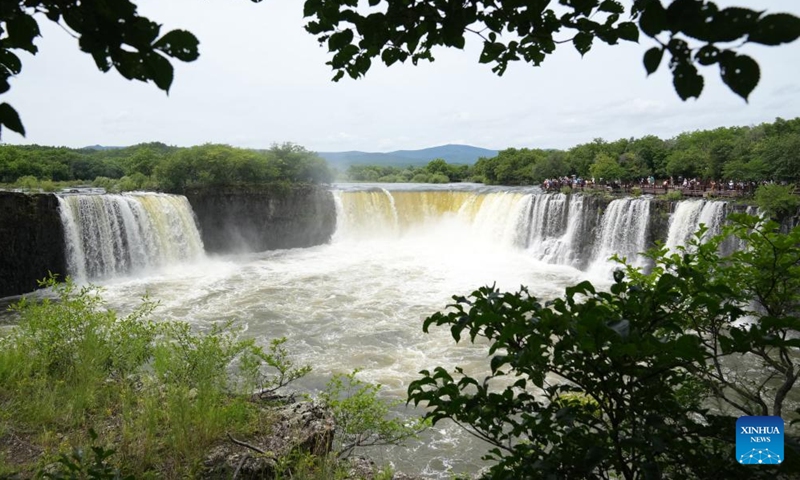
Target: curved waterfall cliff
<point x="575" y="230"/>
<point x="100" y="236"/>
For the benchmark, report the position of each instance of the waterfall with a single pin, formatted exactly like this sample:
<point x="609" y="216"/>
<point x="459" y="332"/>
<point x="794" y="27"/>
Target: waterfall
<point x="499" y="217"/>
<point x="552" y="228"/>
<point x="623" y="231"/>
<point x="571" y="230"/>
<point x="688" y="216"/>
<point x="559" y="229"/>
<point x="107" y="235"/>
<point x="547" y="218"/>
<point x="379" y="213"/>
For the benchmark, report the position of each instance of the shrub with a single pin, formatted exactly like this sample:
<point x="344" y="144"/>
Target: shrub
<point x="420" y="178"/>
<point x="28" y="182"/>
<point x="674" y="196"/>
<point x="777" y="201"/>
<point x="362" y="419"/>
<point x="439" y="178"/>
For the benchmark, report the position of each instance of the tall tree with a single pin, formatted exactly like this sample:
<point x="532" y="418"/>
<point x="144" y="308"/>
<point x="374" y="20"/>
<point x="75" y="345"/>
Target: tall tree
<point x="693" y="32"/>
<point x="113" y="33"/>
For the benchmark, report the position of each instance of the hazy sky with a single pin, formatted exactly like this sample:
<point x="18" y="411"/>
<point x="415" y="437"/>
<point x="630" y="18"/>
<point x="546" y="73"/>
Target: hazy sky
<point x="262" y="79"/>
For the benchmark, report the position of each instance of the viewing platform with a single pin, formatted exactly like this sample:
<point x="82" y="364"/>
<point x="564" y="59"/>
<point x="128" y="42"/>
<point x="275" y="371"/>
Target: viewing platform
<point x="660" y="190"/>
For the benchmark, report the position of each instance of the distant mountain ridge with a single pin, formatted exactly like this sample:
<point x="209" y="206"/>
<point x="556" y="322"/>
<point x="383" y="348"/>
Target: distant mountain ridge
<point x="101" y="147"/>
<point x="402" y="158"/>
<point x="464" y="154"/>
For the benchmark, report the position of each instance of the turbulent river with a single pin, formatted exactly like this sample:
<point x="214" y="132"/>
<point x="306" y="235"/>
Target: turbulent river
<point x="359" y="302"/>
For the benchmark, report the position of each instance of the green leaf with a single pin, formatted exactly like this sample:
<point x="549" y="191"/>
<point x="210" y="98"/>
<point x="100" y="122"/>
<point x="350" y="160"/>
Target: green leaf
<point x="652" y="59"/>
<point x="688" y="347"/>
<point x="628" y="31"/>
<point x="497" y="362"/>
<point x="583" y="42"/>
<point x="140" y="32"/>
<point x="739" y="72"/>
<point x="653" y="19"/>
<point x="390" y="56"/>
<point x="686" y="16"/>
<point x="339" y="40"/>
<point x="129" y="65"/>
<point x="688" y="83"/>
<point x="611" y="6"/>
<point x="491" y="51"/>
<point x="10" y="61"/>
<point x="159" y="70"/>
<point x="10" y="119"/>
<point x="776" y="29"/>
<point x="731" y="24"/>
<point x="21" y="32"/>
<point x="179" y="44"/>
<point x="707" y="55"/>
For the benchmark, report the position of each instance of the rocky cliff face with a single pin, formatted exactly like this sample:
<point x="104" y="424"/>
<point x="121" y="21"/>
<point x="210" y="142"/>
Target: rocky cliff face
<point x="31" y="241"/>
<point x="658" y="223"/>
<point x="267" y="218"/>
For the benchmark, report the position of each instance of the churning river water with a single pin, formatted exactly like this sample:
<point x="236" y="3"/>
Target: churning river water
<point x="359" y="301"/>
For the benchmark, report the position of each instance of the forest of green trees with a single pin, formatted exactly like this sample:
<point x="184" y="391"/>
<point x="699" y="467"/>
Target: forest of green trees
<point x="155" y="166"/>
<point x="770" y="151"/>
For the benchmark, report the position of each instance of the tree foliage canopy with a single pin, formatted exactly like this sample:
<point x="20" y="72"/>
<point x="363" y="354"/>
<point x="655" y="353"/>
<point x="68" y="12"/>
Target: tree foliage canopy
<point x="155" y="166"/>
<point x="770" y="151"/>
<point x="644" y="380"/>
<point x="113" y="33"/>
<point x="692" y="32"/>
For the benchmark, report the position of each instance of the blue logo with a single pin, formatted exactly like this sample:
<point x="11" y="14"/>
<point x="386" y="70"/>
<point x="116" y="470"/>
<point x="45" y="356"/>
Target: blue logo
<point x="759" y="440"/>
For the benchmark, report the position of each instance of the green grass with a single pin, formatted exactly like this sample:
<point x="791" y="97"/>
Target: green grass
<point x="86" y="390"/>
<point x="158" y="392"/>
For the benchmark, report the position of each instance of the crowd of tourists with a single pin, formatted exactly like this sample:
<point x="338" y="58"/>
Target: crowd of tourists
<point x="651" y="185"/>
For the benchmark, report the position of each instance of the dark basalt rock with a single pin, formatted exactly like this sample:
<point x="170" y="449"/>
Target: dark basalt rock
<point x="239" y="219"/>
<point x="31" y="241"/>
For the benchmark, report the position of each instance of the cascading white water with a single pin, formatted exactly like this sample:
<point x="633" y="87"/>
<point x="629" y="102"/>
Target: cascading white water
<point x="547" y="217"/>
<point x="497" y="218"/>
<point x="683" y="222"/>
<point x="688" y="216"/>
<point x="107" y="235"/>
<point x="623" y="231"/>
<point x="378" y="213"/>
<point x="549" y="240"/>
<point x="713" y="216"/>
<point x="552" y="228"/>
